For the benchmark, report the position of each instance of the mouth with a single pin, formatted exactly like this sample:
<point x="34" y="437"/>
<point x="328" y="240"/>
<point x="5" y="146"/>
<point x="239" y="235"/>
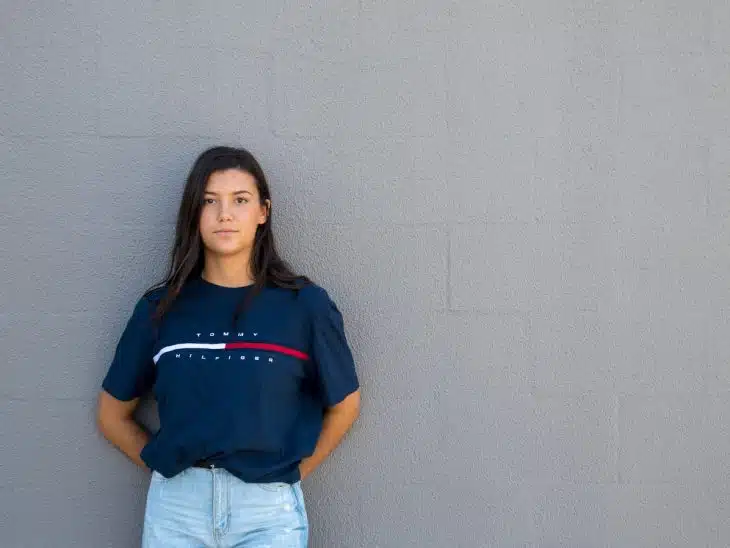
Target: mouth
<point x="225" y="231"/>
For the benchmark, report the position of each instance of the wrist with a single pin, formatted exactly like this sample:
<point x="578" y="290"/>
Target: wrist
<point x="304" y="470"/>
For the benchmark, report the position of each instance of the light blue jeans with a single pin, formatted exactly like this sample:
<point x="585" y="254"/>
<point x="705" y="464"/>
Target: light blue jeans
<point x="204" y="507"/>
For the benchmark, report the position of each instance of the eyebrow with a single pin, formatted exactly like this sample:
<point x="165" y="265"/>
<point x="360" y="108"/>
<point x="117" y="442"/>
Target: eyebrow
<point x="236" y="192"/>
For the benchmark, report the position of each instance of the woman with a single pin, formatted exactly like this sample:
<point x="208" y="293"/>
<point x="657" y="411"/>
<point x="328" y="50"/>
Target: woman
<point x="250" y="367"/>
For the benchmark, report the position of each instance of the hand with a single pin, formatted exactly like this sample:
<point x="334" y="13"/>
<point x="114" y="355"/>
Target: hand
<point x="303" y="470"/>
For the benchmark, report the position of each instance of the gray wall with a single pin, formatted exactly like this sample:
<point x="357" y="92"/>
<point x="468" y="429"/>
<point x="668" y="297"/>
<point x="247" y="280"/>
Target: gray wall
<point x="521" y="207"/>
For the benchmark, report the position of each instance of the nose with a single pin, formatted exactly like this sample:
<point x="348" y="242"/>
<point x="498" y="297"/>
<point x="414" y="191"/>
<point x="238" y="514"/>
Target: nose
<point x="225" y="212"/>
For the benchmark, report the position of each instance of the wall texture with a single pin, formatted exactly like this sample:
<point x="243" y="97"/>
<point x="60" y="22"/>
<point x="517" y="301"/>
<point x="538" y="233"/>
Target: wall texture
<point x="522" y="208"/>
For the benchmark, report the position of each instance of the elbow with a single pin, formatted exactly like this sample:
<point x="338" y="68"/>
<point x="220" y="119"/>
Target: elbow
<point x="103" y="420"/>
<point x="110" y="413"/>
<point x="347" y="408"/>
<point x="352" y="404"/>
<point x="356" y="403"/>
<point x="103" y="426"/>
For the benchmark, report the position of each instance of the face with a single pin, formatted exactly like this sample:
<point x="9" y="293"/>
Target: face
<point x="231" y="212"/>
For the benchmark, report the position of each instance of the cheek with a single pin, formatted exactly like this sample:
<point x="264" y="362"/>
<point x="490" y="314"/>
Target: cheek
<point x="250" y="217"/>
<point x="207" y="220"/>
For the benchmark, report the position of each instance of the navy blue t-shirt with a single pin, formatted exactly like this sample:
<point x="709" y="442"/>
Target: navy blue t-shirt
<point x="249" y="399"/>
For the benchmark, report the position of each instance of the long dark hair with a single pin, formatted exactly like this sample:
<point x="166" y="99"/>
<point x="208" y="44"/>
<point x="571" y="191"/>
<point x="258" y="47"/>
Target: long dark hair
<point x="187" y="258"/>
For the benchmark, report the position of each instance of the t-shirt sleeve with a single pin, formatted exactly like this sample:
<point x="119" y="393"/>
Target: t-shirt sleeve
<point x="132" y="372"/>
<point x="331" y="355"/>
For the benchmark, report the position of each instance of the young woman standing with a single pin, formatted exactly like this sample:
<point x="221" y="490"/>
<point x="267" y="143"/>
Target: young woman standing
<point x="250" y="367"/>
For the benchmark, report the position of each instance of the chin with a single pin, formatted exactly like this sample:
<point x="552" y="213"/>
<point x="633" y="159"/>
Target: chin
<point x="226" y="247"/>
<point x="226" y="252"/>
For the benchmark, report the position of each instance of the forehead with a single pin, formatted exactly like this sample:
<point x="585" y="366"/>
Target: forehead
<point x="230" y="180"/>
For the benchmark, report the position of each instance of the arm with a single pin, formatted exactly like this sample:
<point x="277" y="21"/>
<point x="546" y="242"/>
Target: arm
<point x="337" y="421"/>
<point x="115" y="421"/>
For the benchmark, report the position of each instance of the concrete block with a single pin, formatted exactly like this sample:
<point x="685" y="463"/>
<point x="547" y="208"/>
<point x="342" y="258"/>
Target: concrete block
<point x="657" y="26"/>
<point x="589" y="129"/>
<point x="504" y="92"/>
<point x="97" y="182"/>
<point x="674" y="438"/>
<point x="355" y="97"/>
<point x="686" y="514"/>
<point x="72" y="513"/>
<point x="662" y="156"/>
<point x="44" y="441"/>
<point x="75" y="352"/>
<point x="376" y="267"/>
<point x="113" y="268"/>
<point x="488" y="351"/>
<point x="505" y="266"/>
<point x="328" y="28"/>
<point x="383" y="29"/>
<point x="394" y="181"/>
<point x="574" y="352"/>
<point x="163" y="89"/>
<point x="48" y="91"/>
<point x="164" y="24"/>
<point x="72" y="23"/>
<point x="718" y="130"/>
<point x="516" y="438"/>
<point x="571" y="515"/>
<point x="719" y="20"/>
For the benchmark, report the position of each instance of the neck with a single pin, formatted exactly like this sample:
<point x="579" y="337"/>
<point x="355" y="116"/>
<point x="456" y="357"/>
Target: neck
<point x="228" y="271"/>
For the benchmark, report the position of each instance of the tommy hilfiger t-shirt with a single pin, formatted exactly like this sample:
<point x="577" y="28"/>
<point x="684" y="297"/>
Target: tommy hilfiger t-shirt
<point x="249" y="398"/>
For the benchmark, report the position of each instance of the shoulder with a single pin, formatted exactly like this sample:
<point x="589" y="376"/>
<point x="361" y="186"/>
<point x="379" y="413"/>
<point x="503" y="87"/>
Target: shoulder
<point x="147" y="303"/>
<point x="152" y="297"/>
<point x="320" y="308"/>
<point x="314" y="298"/>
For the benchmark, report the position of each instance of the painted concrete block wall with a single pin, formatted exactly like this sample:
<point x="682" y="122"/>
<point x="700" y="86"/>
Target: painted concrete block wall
<point x="522" y="208"/>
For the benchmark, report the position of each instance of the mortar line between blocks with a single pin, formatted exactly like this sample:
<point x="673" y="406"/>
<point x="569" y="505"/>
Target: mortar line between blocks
<point x="448" y="267"/>
<point x="617" y="434"/>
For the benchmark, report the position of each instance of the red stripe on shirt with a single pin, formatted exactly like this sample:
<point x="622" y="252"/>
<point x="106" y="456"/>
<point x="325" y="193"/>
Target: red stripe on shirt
<point x="268" y="347"/>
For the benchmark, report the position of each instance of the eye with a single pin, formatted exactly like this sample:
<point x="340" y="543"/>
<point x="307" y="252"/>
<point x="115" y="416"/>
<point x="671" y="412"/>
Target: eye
<point x="208" y="200"/>
<point x="241" y="200"/>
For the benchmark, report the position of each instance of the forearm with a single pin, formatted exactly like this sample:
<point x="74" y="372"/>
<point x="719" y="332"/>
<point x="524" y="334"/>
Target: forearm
<point x="128" y="436"/>
<point x="337" y="421"/>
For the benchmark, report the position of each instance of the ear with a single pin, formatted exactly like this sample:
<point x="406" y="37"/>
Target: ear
<point x="265" y="213"/>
